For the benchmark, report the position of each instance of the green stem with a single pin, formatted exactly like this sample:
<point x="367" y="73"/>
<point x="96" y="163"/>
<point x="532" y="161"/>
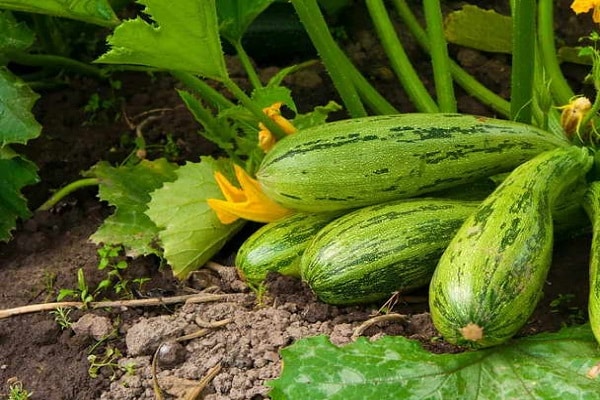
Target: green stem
<point x="203" y="89"/>
<point x="561" y="90"/>
<point x="245" y="60"/>
<point x="440" y="61"/>
<point x="254" y="109"/>
<point x="523" y="61"/>
<point x="52" y="61"/>
<point x="464" y="79"/>
<point x="399" y="61"/>
<point x="341" y="74"/>
<point x="66" y="190"/>
<point x="377" y="103"/>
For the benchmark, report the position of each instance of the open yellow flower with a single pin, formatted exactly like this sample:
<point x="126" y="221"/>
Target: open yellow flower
<point x="583" y="6"/>
<point x="247" y="202"/>
<point x="266" y="140"/>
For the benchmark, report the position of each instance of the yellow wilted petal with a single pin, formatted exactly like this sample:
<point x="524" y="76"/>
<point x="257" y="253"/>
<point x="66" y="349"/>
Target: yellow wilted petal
<point x="266" y="140"/>
<point x="220" y="207"/>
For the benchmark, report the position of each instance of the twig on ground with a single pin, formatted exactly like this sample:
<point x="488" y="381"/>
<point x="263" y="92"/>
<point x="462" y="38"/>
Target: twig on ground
<point x="194" y="393"/>
<point x="374" y="320"/>
<point x="155" y="301"/>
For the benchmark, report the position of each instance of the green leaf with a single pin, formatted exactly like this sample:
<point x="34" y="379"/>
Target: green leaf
<point x="316" y="117"/>
<point x="16" y="36"/>
<point x="235" y="16"/>
<point x="128" y="189"/>
<point x="15" y="173"/>
<point x="17" y="124"/>
<point x="93" y="11"/>
<point x="480" y="29"/>
<point x="266" y="96"/>
<point x="191" y="232"/>
<point x="545" y="366"/>
<point x="183" y="37"/>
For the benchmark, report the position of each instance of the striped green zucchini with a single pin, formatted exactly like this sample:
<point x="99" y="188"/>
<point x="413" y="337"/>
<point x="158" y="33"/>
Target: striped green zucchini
<point x="592" y="206"/>
<point x="368" y="254"/>
<point x="357" y="162"/>
<point x="277" y="246"/>
<point x="491" y="276"/>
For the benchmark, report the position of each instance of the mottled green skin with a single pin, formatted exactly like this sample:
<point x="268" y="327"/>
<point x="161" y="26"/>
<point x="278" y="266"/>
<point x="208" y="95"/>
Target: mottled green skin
<point x="592" y="207"/>
<point x="277" y="246"/>
<point x="358" y="162"/>
<point x="366" y="255"/>
<point x="493" y="271"/>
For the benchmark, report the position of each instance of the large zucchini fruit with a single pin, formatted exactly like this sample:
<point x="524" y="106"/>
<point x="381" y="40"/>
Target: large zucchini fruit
<point x="277" y="246"/>
<point x="362" y="161"/>
<point x="368" y="254"/>
<point x="592" y="207"/>
<point x="491" y="276"/>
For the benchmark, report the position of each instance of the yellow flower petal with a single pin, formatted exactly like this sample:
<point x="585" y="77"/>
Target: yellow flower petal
<point x="596" y="14"/>
<point x="230" y="192"/>
<point x="583" y="6"/>
<point x="266" y="140"/>
<point x="249" y="202"/>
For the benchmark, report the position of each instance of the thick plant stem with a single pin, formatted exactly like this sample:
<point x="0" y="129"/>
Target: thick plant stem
<point x="245" y="60"/>
<point x="65" y="191"/>
<point x="465" y="80"/>
<point x="561" y="90"/>
<point x="209" y="94"/>
<point x="52" y="61"/>
<point x="408" y="77"/>
<point x="444" y="87"/>
<point x="523" y="61"/>
<point x="341" y="74"/>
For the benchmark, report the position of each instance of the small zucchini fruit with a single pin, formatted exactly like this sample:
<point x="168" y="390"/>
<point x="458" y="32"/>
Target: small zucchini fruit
<point x="277" y="246"/>
<point x="368" y="254"/>
<point x="363" y="161"/>
<point x="591" y="205"/>
<point x="490" y="278"/>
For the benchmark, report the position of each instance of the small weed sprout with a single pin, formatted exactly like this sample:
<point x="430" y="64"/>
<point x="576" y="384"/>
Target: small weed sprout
<point x="109" y="360"/>
<point x="16" y="391"/>
<point x="61" y="316"/>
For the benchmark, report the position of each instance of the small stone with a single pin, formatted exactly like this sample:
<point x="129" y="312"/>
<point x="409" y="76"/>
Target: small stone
<point x="93" y="326"/>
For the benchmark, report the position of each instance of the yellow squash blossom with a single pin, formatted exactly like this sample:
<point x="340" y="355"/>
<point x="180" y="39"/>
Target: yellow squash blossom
<point x="247" y="202"/>
<point x="583" y="6"/>
<point x="266" y="140"/>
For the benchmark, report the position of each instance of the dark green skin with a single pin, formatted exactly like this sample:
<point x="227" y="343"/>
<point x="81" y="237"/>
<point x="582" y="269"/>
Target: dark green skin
<point x="363" y="161"/>
<point x="491" y="276"/>
<point x="367" y="255"/>
<point x="277" y="246"/>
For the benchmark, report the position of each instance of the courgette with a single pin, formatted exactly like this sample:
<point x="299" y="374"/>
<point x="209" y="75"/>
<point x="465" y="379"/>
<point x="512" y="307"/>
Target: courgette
<point x="490" y="278"/>
<point x="591" y="205"/>
<point x="363" y="161"/>
<point x="277" y="246"/>
<point x="366" y="255"/>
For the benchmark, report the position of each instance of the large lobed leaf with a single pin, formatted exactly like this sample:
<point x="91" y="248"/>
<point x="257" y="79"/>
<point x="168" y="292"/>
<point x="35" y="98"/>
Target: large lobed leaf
<point x="184" y="37"/>
<point x="15" y="173"/>
<point x="92" y="11"/>
<point x="128" y="188"/>
<point x="545" y="366"/>
<point x="16" y="36"/>
<point x="17" y="124"/>
<point x="191" y="232"/>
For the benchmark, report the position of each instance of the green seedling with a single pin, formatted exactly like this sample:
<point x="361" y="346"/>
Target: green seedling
<point x="16" y="391"/>
<point x="61" y="316"/>
<point x="109" y="360"/>
<point x="82" y="292"/>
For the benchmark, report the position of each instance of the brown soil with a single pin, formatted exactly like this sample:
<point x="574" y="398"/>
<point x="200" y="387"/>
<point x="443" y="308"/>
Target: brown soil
<point x="47" y="251"/>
